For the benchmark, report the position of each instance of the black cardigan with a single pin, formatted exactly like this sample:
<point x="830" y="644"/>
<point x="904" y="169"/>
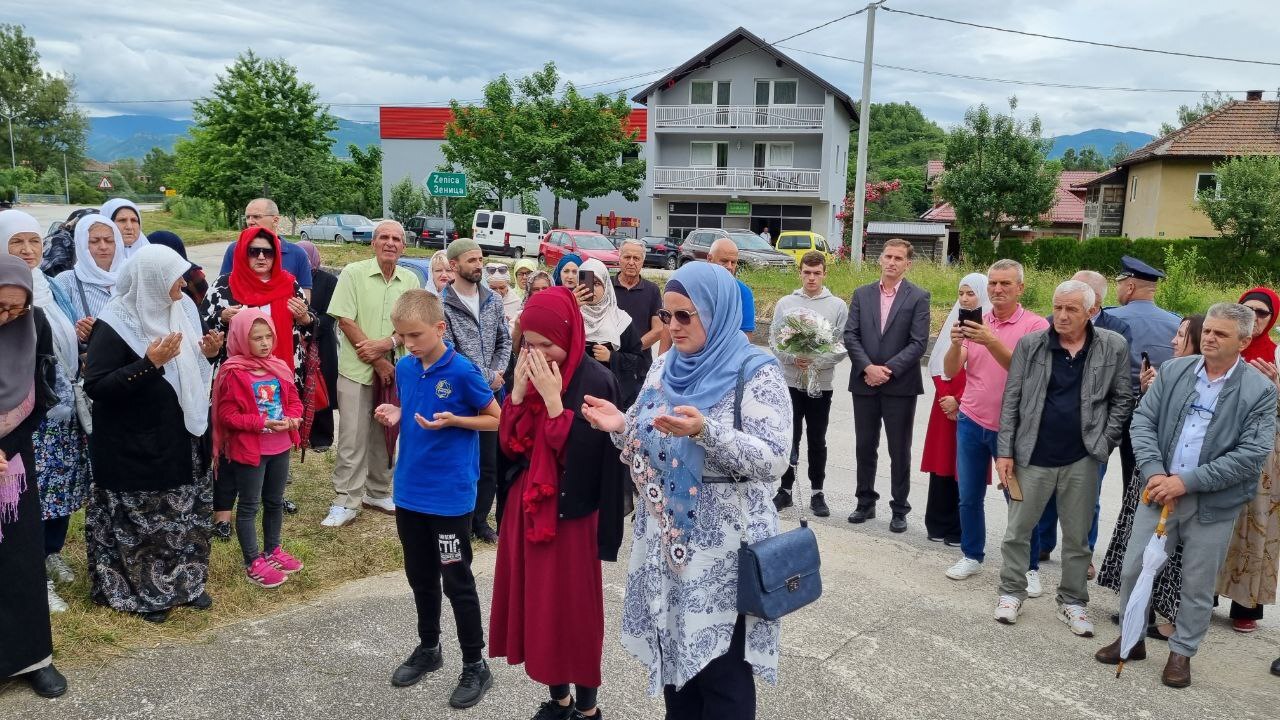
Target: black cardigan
<point x="139" y="440"/>
<point x="628" y="365"/>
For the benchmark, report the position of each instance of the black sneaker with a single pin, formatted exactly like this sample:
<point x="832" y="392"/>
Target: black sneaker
<point x="782" y="499"/>
<point x="291" y="507"/>
<point x="818" y="504"/>
<point x="222" y="531"/>
<point x="474" y="682"/>
<point x="577" y="714"/>
<point x="422" y="661"/>
<point x="553" y="710"/>
<point x="484" y="533"/>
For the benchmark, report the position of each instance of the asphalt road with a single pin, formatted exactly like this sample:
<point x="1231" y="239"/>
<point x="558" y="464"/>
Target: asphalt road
<point x="891" y="637"/>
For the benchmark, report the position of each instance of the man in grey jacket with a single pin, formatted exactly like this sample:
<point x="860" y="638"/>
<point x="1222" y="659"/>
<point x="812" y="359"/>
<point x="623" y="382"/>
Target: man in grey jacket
<point x="815" y="411"/>
<point x="1064" y="408"/>
<point x="1200" y="437"/>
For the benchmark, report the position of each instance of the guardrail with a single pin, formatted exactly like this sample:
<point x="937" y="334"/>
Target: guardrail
<point x="28" y="198"/>
<point x="782" y="181"/>
<point x="745" y="116"/>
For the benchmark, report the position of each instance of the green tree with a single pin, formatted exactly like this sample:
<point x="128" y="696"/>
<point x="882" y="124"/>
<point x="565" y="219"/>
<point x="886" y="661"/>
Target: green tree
<point x="46" y="123"/>
<point x="406" y="200"/>
<point x="160" y="169"/>
<point x="1188" y="114"/>
<point x="359" y="188"/>
<point x="1245" y="207"/>
<point x="1087" y="159"/>
<point x="495" y="142"/>
<point x="261" y="132"/>
<point x="595" y="142"/>
<point x="1118" y="153"/>
<point x="900" y="141"/>
<point x="996" y="172"/>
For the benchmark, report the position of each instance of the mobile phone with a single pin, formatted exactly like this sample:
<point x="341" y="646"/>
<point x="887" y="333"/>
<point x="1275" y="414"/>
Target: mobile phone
<point x="974" y="315"/>
<point x="587" y="278"/>
<point x="1146" y="360"/>
<point x="1013" y="487"/>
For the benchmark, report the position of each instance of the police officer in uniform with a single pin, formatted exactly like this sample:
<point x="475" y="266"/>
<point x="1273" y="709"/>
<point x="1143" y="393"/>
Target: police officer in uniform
<point x="1151" y="330"/>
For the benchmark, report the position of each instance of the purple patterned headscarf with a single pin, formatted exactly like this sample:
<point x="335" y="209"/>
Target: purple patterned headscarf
<point x="313" y="253"/>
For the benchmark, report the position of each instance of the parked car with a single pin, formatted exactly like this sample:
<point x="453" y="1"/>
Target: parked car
<point x="420" y="267"/>
<point x="586" y="244"/>
<point x="753" y="250"/>
<point x="338" y="228"/>
<point x="430" y="232"/>
<point x="798" y="242"/>
<point x="498" y="231"/>
<point x="661" y="252"/>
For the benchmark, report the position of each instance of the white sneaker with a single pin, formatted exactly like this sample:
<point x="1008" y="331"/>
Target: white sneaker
<point x="1034" y="589"/>
<point x="381" y="504"/>
<point x="964" y="568"/>
<point x="1008" y="608"/>
<point x="339" y="516"/>
<point x="1076" y="619"/>
<point x="56" y="603"/>
<point x="58" y="570"/>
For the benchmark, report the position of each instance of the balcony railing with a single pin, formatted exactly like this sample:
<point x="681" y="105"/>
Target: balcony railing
<point x="782" y="181"/>
<point x="744" y="116"/>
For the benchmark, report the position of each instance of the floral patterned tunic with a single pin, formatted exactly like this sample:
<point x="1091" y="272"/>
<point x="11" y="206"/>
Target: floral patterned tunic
<point x="220" y="298"/>
<point x="679" y="616"/>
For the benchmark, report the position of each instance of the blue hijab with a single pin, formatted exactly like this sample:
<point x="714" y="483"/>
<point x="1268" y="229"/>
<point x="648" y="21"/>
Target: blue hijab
<point x="570" y="258"/>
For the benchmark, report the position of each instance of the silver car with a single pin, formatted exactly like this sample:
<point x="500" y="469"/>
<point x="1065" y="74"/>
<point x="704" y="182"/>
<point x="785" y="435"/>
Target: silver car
<point x="339" y="229"/>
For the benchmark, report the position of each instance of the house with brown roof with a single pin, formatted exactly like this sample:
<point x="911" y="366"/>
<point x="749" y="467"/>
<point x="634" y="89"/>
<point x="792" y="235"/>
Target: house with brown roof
<point x="1152" y="192"/>
<point x="1064" y="219"/>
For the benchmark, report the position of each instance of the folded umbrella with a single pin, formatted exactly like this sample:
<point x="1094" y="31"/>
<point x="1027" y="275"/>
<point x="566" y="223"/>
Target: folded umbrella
<point x="384" y="393"/>
<point x="1154" y="557"/>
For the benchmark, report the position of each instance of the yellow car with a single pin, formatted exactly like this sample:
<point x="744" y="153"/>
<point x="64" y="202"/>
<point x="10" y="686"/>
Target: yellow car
<point x="798" y="242"/>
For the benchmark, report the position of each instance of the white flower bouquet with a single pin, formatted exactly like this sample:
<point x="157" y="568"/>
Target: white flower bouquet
<point x="807" y="335"/>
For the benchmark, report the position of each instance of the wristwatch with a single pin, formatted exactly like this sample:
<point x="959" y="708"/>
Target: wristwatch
<point x="702" y="432"/>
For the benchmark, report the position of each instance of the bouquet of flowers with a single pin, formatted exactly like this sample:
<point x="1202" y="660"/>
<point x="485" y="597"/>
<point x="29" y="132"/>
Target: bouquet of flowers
<point x="807" y="335"/>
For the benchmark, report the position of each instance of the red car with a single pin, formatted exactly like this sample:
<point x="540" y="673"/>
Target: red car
<point x="586" y="244"/>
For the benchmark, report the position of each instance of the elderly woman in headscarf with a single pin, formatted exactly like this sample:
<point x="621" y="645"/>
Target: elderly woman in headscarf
<point x="60" y="246"/>
<point x="25" y="394"/>
<point x="523" y="269"/>
<point x="128" y="218"/>
<point x="611" y="339"/>
<point x="698" y="472"/>
<point x="61" y="444"/>
<point x="942" y="514"/>
<point x="498" y="279"/>
<point x="325" y="336"/>
<point x="197" y="285"/>
<point x="440" y="273"/>
<point x="99" y="257"/>
<point x="566" y="272"/>
<point x="148" y="522"/>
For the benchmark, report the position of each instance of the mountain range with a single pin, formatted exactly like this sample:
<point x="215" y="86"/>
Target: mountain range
<point x="123" y="136"/>
<point x="1102" y="140"/>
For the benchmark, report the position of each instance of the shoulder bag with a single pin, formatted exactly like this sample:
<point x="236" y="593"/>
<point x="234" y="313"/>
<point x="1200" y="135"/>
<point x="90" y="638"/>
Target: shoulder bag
<point x="84" y="406"/>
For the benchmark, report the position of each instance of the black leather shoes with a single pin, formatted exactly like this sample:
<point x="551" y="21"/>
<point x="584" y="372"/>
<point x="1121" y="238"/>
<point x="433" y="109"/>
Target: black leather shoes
<point x="1275" y="667"/>
<point x="862" y="515"/>
<point x="204" y="602"/>
<point x="422" y="661"/>
<point x="782" y="499"/>
<point x="47" y="682"/>
<point x="898" y="524"/>
<point x="818" y="505"/>
<point x="156" y="617"/>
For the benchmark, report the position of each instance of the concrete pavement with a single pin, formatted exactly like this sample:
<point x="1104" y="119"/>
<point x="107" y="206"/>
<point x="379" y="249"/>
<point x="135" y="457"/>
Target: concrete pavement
<point x="891" y="637"/>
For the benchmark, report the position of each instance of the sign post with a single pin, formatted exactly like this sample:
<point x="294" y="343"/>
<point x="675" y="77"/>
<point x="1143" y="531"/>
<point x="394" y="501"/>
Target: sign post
<point x="445" y="185"/>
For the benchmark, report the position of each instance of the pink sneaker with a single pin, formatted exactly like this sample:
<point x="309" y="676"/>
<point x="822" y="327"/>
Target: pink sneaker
<point x="261" y="573"/>
<point x="283" y="561"/>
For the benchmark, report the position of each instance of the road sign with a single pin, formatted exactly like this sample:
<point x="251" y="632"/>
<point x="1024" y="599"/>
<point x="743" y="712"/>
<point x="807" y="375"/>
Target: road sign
<point x="104" y="183"/>
<point x="446" y="184"/>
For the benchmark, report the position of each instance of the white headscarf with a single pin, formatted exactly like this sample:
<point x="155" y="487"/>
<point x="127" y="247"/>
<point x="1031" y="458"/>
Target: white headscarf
<point x="65" y="344"/>
<point x="605" y="321"/>
<point x="142" y="312"/>
<point x="431" y="271"/>
<point x="87" y="271"/>
<point x="109" y="210"/>
<point x="977" y="282"/>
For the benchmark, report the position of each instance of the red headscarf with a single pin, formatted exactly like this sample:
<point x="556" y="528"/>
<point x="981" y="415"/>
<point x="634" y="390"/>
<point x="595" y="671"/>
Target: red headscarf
<point x="1262" y="347"/>
<point x="241" y="359"/>
<point x="249" y="290"/>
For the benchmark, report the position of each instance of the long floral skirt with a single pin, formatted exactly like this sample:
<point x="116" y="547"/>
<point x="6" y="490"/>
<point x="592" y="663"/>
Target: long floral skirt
<point x="1165" y="595"/>
<point x="149" y="551"/>
<point x="62" y="464"/>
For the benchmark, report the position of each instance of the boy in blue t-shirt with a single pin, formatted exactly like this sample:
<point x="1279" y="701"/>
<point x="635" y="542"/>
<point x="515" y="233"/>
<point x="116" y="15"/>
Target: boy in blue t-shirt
<point x="444" y="404"/>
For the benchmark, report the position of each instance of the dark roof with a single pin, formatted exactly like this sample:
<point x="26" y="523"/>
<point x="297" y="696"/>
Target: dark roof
<point x="1241" y="127"/>
<point x="1114" y="176"/>
<point x="705" y="57"/>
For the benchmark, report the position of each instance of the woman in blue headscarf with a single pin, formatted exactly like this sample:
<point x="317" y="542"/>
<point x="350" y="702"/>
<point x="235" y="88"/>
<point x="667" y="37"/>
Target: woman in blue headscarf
<point x="566" y="272"/>
<point x="698" y="475"/>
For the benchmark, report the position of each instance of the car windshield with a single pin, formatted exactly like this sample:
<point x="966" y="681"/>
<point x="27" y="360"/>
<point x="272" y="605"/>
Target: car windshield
<point x="592" y="242"/>
<point x="654" y="241"/>
<point x="356" y="220"/>
<point x="749" y="241"/>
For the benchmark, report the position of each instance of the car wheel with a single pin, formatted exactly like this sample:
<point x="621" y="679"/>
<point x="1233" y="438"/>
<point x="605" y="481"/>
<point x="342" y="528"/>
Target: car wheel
<point x="304" y="237"/>
<point x="339" y="239"/>
<point x="684" y="261"/>
<point x="542" y="260"/>
<point x="670" y="264"/>
<point x="518" y="253"/>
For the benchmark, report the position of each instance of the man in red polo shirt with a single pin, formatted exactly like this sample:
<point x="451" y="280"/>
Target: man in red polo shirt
<point x="984" y="350"/>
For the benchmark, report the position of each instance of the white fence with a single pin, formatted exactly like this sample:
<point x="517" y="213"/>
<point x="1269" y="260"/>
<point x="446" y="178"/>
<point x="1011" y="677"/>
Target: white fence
<point x="784" y="181"/>
<point x="730" y="116"/>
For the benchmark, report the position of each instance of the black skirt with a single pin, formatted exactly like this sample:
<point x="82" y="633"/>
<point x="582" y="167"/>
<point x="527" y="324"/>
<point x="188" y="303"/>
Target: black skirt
<point x="25" y="636"/>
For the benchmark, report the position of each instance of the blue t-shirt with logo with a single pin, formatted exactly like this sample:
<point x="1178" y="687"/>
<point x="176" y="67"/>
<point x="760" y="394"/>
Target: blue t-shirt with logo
<point x="437" y="470"/>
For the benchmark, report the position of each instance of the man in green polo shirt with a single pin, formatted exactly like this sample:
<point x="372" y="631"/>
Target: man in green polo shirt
<point x="361" y="304"/>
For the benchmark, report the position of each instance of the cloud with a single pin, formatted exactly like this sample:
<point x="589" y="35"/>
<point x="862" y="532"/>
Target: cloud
<point x="360" y="55"/>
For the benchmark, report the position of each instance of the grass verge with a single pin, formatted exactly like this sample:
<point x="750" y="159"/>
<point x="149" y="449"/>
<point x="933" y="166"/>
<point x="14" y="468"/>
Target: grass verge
<point x="192" y="231"/>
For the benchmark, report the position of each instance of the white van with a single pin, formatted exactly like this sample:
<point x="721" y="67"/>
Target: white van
<point x="498" y="231"/>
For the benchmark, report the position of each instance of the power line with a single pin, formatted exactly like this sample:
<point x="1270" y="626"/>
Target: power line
<point x="1082" y="42"/>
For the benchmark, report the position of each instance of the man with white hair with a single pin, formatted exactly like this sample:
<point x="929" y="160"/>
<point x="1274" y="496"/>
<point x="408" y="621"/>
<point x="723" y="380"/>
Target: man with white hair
<point x="1065" y="404"/>
<point x="724" y="252"/>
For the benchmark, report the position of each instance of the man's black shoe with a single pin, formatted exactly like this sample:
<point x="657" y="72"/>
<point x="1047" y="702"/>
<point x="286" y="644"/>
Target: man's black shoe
<point x="818" y="505"/>
<point x="1275" y="667"/>
<point x="899" y="523"/>
<point x="486" y="533"/>
<point x="862" y="515"/>
<point x="204" y="602"/>
<point x="422" y="661"/>
<point x="474" y="682"/>
<point x="782" y="499"/>
<point x="578" y="715"/>
<point x="47" y="681"/>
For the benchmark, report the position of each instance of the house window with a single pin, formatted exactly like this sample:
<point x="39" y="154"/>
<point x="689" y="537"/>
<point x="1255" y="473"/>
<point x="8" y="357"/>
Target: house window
<point x="774" y="155"/>
<point x="1133" y="189"/>
<point x="776" y="92"/>
<point x="709" y="92"/>
<point x="708" y="154"/>
<point x="1112" y="194"/>
<point x="1207" y="182"/>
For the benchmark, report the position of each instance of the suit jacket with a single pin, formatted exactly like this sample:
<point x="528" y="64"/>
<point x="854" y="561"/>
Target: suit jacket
<point x="899" y="347"/>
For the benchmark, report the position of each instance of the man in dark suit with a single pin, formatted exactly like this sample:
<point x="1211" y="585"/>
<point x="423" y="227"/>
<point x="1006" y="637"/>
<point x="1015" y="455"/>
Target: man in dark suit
<point x="885" y="336"/>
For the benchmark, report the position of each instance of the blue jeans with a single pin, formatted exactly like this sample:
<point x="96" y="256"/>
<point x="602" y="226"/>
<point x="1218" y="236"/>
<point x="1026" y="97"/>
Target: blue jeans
<point x="1046" y="532"/>
<point x="975" y="451"/>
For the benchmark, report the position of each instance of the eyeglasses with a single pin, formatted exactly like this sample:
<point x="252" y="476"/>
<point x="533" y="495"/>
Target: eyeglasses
<point x="496" y="270"/>
<point x="261" y="252"/>
<point x="255" y="218"/>
<point x="684" y="317"/>
<point x="1261" y="312"/>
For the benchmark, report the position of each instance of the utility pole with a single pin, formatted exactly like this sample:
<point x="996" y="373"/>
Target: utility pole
<point x="13" y="157"/>
<point x="66" y="182"/>
<point x="864" y="126"/>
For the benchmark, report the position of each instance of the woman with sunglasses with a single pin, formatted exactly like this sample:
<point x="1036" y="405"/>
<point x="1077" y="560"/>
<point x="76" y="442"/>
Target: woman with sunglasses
<point x="702" y="477"/>
<point x="258" y="280"/>
<point x="498" y="278"/>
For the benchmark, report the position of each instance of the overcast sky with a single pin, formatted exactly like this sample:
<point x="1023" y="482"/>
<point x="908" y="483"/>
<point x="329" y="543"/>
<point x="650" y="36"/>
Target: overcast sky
<point x="360" y="55"/>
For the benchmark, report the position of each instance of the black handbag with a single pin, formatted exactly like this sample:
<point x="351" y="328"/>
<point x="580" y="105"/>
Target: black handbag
<point x="780" y="574"/>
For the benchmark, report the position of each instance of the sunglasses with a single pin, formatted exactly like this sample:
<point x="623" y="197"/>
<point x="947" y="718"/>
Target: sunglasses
<point x="261" y="252"/>
<point x="1261" y="312"/>
<point x="684" y="317"/>
<point x="498" y="270"/>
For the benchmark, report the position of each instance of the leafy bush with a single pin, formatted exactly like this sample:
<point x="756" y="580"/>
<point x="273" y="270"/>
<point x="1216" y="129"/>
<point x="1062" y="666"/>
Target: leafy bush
<point x="978" y="250"/>
<point x="209" y="213"/>
<point x="1102" y="253"/>
<point x="1181" y="291"/>
<point x="1058" y="253"/>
